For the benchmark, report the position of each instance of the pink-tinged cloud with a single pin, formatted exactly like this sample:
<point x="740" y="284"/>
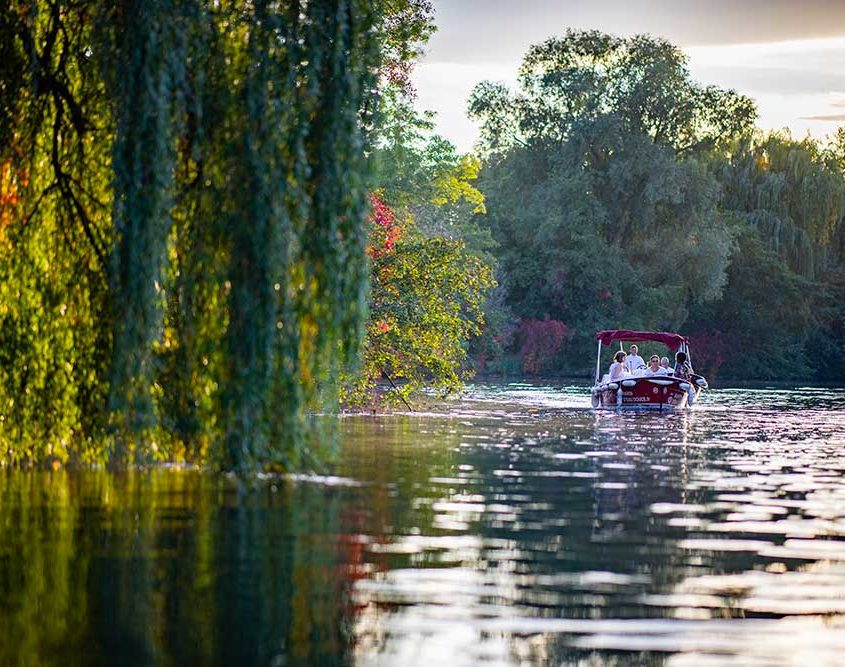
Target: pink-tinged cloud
<point x="477" y="31"/>
<point x="833" y="116"/>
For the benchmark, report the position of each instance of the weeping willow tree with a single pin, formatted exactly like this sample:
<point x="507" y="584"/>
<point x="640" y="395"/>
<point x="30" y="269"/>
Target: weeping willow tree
<point x="149" y="72"/>
<point x="184" y="192"/>
<point x="784" y="294"/>
<point x="793" y="194"/>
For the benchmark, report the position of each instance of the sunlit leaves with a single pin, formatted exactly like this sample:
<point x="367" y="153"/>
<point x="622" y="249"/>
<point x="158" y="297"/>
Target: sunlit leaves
<point x="407" y="24"/>
<point x="426" y="300"/>
<point x="54" y="148"/>
<point x="785" y="200"/>
<point x="793" y="194"/>
<point x="583" y="76"/>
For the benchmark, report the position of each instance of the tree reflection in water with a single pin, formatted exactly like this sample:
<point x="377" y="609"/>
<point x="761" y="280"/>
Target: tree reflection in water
<point x="168" y="567"/>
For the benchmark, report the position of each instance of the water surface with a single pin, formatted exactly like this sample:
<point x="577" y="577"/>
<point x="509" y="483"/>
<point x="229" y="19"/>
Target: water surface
<point x="512" y="526"/>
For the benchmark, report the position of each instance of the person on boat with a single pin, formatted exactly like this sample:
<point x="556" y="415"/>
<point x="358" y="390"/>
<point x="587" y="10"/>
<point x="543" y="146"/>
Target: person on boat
<point x="654" y="367"/>
<point x="634" y="361"/>
<point x="664" y="364"/>
<point x="683" y="368"/>
<point x="617" y="368"/>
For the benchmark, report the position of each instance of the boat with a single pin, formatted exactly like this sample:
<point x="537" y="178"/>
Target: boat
<point x="645" y="391"/>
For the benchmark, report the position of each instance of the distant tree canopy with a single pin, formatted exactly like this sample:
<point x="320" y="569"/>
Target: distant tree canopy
<point x="623" y="194"/>
<point x="588" y="85"/>
<point x="597" y="186"/>
<point x="184" y="202"/>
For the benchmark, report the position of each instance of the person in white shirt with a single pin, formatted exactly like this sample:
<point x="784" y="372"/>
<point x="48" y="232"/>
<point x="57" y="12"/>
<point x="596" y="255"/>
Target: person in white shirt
<point x="617" y="368"/>
<point x="654" y="367"/>
<point x="634" y="361"/>
<point x="664" y="364"/>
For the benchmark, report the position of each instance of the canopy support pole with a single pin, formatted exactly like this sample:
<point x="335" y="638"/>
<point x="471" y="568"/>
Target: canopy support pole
<point x="598" y="364"/>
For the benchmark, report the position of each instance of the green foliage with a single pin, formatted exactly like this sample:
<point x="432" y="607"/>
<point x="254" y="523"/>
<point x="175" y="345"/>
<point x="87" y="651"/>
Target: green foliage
<point x="418" y="169"/>
<point x="55" y="204"/>
<point x="622" y="194"/>
<point x="425" y="303"/>
<point x="406" y="26"/>
<point x="184" y="210"/>
<point x="792" y="193"/>
<point x="602" y="202"/>
<point x="783" y="297"/>
<point x="765" y="316"/>
<point x="430" y="257"/>
<point x="149" y="71"/>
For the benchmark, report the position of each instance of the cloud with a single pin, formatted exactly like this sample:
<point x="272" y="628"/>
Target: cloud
<point x="502" y="30"/>
<point x="755" y="80"/>
<point x="835" y="116"/>
<point x="788" y="56"/>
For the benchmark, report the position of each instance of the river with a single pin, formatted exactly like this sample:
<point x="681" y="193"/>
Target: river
<point x="512" y="526"/>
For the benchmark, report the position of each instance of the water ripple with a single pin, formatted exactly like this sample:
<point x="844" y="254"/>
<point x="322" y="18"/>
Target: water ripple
<point x="710" y="536"/>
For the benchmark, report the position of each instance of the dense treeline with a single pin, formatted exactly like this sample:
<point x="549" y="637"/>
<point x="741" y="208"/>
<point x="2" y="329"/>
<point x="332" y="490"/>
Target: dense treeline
<point x="622" y="194"/>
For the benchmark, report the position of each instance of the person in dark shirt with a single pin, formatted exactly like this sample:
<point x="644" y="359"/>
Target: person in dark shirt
<point x="683" y="368"/>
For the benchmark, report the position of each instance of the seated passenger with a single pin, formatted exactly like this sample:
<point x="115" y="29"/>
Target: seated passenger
<point x="664" y="364"/>
<point x="654" y="367"/>
<point x="634" y="361"/>
<point x="683" y="368"/>
<point x="617" y="368"/>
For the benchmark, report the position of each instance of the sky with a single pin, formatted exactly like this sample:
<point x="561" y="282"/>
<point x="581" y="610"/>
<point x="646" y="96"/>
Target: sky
<point x="788" y="55"/>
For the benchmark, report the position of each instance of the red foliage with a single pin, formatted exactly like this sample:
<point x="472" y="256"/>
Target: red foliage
<point x="540" y="340"/>
<point x="399" y="74"/>
<point x="385" y="230"/>
<point x="710" y="350"/>
<point x="11" y="185"/>
<point x="481" y="359"/>
<point x="407" y="26"/>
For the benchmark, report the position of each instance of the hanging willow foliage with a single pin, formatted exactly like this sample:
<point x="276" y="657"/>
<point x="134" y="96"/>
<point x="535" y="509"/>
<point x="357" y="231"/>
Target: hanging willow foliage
<point x="55" y="229"/>
<point x="149" y="71"/>
<point x="281" y="148"/>
<point x="225" y="269"/>
<point x="792" y="194"/>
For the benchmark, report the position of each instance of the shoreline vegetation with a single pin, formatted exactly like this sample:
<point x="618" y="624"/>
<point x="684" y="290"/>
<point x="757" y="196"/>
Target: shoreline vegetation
<point x="215" y="221"/>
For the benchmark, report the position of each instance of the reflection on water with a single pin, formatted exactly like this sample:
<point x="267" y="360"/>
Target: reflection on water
<point x="516" y="526"/>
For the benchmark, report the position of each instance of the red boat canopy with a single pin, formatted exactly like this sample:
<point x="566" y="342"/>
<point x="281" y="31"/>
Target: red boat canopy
<point x="671" y="340"/>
